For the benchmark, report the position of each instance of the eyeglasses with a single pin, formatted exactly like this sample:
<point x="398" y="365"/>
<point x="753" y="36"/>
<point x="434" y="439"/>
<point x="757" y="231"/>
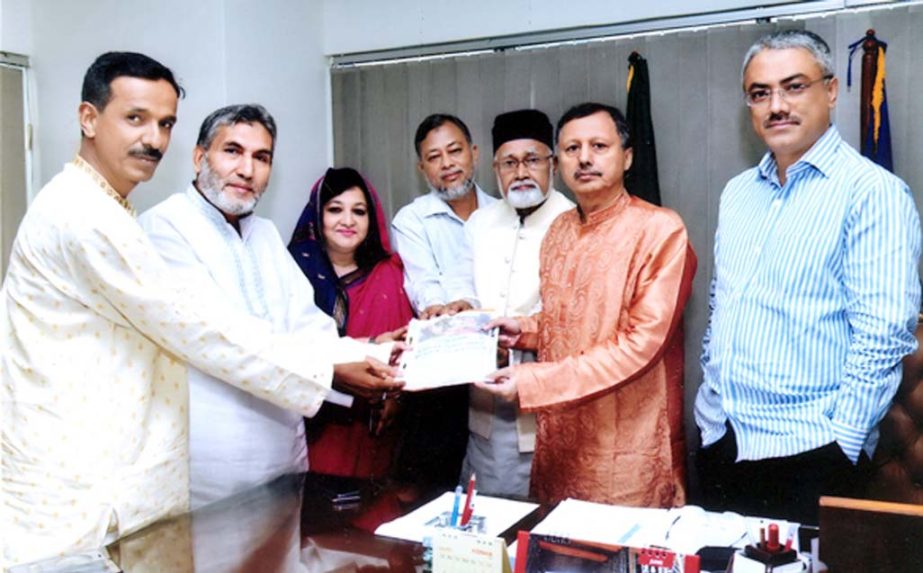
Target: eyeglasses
<point x="532" y="163"/>
<point x="788" y="92"/>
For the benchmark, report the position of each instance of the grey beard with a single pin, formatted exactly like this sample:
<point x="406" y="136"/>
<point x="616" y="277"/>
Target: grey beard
<point x="453" y="193"/>
<point x="210" y="185"/>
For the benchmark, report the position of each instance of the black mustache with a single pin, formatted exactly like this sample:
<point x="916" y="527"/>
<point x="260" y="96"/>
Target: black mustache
<point x="776" y="116"/>
<point x="147" y="153"/>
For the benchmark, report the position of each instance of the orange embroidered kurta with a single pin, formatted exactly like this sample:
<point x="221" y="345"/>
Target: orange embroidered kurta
<point x="608" y="387"/>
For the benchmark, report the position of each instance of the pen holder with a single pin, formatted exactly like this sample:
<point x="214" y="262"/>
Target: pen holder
<point x="477" y="523"/>
<point x="774" y="558"/>
<point x="756" y="560"/>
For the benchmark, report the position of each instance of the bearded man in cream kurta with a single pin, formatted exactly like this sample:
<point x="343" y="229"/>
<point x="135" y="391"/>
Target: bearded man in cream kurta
<point x="95" y="330"/>
<point x="210" y="235"/>
<point x="504" y="239"/>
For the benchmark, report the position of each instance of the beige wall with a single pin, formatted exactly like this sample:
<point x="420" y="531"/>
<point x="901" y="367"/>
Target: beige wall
<point x="222" y="52"/>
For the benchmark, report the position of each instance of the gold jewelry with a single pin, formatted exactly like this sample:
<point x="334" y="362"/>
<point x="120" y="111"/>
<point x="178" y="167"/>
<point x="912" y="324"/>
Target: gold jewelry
<point x="81" y="164"/>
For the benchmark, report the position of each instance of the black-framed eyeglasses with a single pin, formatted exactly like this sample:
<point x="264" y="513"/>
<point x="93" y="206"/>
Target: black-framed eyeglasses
<point x="788" y="92"/>
<point x="532" y="163"/>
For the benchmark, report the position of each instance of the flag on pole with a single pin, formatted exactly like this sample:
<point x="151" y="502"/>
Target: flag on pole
<point x="641" y="180"/>
<point x="875" y="127"/>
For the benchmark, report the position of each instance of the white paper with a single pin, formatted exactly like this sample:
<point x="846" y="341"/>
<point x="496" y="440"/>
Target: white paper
<point x="448" y="350"/>
<point x="498" y="514"/>
<point x="683" y="530"/>
<point x="608" y="524"/>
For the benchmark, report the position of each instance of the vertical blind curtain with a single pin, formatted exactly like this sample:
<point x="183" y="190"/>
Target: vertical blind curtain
<point x="702" y="126"/>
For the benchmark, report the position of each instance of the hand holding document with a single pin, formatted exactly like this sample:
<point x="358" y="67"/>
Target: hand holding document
<point x="368" y="379"/>
<point x="502" y="384"/>
<point x="453" y="307"/>
<point x="449" y="350"/>
<point x="509" y="330"/>
<point x="399" y="334"/>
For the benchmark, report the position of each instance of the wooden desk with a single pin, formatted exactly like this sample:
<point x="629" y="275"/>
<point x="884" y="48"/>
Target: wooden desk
<point x="291" y="525"/>
<point x="288" y="525"/>
<point x="859" y="535"/>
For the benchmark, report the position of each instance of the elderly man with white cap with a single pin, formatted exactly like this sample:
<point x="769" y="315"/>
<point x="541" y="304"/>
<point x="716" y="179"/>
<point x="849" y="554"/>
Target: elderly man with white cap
<point x="504" y="239"/>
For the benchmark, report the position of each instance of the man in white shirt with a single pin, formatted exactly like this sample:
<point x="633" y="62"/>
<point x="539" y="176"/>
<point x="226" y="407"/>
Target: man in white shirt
<point x="209" y="236"/>
<point x="504" y="241"/>
<point x="95" y="330"/>
<point x="429" y="233"/>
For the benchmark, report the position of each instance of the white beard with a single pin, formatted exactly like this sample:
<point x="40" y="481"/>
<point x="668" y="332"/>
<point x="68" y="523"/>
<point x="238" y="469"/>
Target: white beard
<point x="210" y="184"/>
<point x="524" y="199"/>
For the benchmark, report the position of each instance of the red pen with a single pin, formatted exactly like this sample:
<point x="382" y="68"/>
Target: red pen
<point x="471" y="507"/>
<point x="772" y="545"/>
<point x="466" y="514"/>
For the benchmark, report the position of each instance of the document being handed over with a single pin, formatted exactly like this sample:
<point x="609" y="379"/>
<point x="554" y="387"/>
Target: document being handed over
<point x="448" y="350"/>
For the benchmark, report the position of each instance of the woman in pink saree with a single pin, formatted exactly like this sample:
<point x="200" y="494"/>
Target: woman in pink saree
<point x="341" y="243"/>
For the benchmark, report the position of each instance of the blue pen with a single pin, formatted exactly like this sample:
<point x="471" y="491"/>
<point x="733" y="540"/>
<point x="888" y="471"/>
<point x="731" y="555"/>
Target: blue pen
<point x="453" y="522"/>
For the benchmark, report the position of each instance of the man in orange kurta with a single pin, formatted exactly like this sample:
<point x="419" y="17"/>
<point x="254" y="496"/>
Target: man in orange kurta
<point x="608" y="388"/>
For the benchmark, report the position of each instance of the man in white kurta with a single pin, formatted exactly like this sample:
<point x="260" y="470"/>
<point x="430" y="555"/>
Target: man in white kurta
<point x="95" y="330"/>
<point x="236" y="440"/>
<point x="94" y="386"/>
<point x="504" y="240"/>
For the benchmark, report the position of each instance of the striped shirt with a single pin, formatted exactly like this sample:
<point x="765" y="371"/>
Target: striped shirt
<point x="813" y="304"/>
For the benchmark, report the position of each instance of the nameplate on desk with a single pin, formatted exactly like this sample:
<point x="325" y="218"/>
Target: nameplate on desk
<point x="456" y="551"/>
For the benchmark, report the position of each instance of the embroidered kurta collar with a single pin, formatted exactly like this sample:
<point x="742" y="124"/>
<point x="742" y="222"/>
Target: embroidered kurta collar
<point x="214" y="215"/>
<point x="600" y="215"/>
<point x="81" y="164"/>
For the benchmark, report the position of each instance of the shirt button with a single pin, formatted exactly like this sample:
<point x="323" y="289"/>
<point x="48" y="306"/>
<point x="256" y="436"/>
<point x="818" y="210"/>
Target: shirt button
<point x="502" y="294"/>
<point x="508" y="260"/>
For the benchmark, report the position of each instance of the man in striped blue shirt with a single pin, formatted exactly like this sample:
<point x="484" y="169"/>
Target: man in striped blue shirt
<point x="813" y="302"/>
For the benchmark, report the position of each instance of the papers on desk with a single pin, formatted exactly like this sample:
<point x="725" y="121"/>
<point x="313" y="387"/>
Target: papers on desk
<point x="448" y="350"/>
<point x="498" y="516"/>
<point x="683" y="529"/>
